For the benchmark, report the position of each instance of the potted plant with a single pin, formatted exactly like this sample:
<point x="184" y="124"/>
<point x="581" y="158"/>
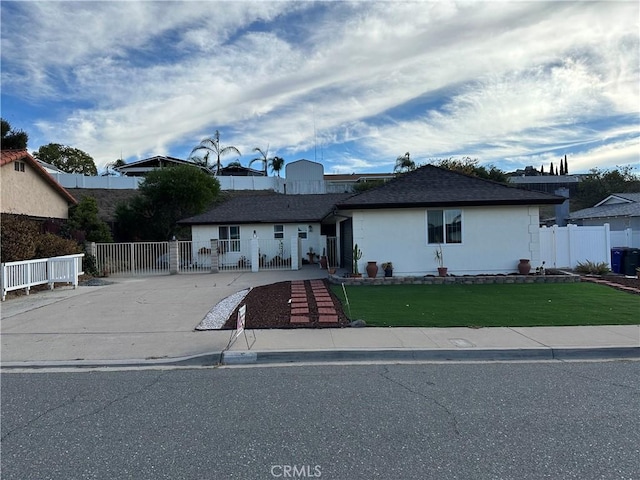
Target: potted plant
<point x="388" y="269"/>
<point x="439" y="256"/>
<point x="372" y="269"/>
<point x="311" y="255"/>
<point x="323" y="259"/>
<point x="357" y="255"/>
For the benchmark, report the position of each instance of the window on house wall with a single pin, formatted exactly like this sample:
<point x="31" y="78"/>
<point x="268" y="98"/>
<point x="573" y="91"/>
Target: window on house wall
<point x="444" y="226"/>
<point x="229" y="237"/>
<point x="19" y="166"/>
<point x="302" y="231"/>
<point x="278" y="231"/>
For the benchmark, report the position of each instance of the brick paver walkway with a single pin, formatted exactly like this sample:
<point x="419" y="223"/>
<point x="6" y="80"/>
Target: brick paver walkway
<point x="300" y="302"/>
<point x="611" y="284"/>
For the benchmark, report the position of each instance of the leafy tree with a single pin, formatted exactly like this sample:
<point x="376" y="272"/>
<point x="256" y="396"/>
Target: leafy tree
<point x="471" y="166"/>
<point x="599" y="184"/>
<point x="12" y="139"/>
<point x="276" y="164"/>
<point x="67" y="159"/>
<point x="166" y="196"/>
<point x="551" y="169"/>
<point x="84" y="218"/>
<point x="264" y="158"/>
<point x="404" y="163"/>
<point x="367" y="185"/>
<point x="212" y="145"/>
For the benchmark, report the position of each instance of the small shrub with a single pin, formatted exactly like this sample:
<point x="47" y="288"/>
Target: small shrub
<point x="90" y="265"/>
<point x="592" y="268"/>
<point x="19" y="236"/>
<point x="50" y="245"/>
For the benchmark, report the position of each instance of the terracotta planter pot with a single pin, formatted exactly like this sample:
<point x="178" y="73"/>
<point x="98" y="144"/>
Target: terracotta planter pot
<point x="372" y="269"/>
<point x="323" y="262"/>
<point x="524" y="267"/>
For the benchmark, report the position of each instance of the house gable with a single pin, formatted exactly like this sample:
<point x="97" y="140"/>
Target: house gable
<point x="27" y="188"/>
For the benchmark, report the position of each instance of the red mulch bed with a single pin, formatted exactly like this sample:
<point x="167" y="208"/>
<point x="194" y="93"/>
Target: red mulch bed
<point x="268" y="307"/>
<point x="618" y="281"/>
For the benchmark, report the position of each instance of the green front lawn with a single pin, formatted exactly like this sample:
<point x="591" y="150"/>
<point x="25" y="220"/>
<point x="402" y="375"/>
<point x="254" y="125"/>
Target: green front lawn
<point x="513" y="305"/>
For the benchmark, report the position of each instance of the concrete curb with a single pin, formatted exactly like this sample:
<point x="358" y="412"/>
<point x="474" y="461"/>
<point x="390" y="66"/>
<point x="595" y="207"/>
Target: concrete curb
<point x="493" y="354"/>
<point x="200" y="360"/>
<point x="359" y="355"/>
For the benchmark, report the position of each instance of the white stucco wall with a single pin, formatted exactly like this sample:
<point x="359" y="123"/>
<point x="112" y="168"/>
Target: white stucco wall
<point x="202" y="235"/>
<point x="493" y="240"/>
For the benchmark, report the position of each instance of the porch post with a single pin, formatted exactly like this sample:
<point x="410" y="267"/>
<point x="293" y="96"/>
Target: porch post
<point x="215" y="266"/>
<point x="173" y="257"/>
<point x="295" y="253"/>
<point x="255" y="257"/>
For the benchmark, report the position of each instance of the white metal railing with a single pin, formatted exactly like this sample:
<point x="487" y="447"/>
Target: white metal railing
<point x="28" y="273"/>
<point x="194" y="257"/>
<point x="274" y="254"/>
<point x="132" y="258"/>
<point x="234" y="255"/>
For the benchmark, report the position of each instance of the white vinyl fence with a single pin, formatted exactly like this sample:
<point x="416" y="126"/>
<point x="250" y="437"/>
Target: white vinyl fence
<point x="28" y="273"/>
<point x="564" y="247"/>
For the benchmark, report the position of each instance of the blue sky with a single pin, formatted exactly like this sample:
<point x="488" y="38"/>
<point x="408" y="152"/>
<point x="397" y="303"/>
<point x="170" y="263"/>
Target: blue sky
<point x="352" y="85"/>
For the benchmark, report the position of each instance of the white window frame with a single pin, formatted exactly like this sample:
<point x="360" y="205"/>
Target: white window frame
<point x="446" y="241"/>
<point x="278" y="231"/>
<point x="230" y="244"/>
<point x="303" y="232"/>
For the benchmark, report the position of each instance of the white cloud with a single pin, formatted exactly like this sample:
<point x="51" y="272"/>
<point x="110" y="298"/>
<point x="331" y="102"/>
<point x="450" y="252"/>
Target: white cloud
<point x="519" y="79"/>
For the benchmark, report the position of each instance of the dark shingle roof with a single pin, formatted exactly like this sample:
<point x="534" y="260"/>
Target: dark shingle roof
<point x="434" y="186"/>
<point x="276" y="208"/>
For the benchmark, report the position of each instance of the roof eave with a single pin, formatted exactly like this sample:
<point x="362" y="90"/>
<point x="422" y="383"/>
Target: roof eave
<point x="462" y="203"/>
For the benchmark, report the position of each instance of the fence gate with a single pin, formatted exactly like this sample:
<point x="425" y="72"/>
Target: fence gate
<point x="564" y="247"/>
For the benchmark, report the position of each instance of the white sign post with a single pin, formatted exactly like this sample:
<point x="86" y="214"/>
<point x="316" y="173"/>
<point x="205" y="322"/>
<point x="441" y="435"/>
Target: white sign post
<point x="242" y="316"/>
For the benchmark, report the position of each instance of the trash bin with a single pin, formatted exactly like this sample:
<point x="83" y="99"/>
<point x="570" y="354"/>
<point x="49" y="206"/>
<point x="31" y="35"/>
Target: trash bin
<point x="631" y="261"/>
<point x="617" y="259"/>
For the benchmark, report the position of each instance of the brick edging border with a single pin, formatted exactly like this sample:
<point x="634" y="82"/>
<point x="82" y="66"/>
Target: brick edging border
<point x="452" y="280"/>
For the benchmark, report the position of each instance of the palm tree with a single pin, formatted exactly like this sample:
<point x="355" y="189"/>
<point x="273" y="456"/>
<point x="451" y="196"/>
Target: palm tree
<point x="212" y="145"/>
<point x="264" y="158"/>
<point x="404" y="163"/>
<point x="276" y="164"/>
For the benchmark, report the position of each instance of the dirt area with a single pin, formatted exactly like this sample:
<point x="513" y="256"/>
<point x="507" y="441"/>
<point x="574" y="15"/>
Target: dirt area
<point x="268" y="307"/>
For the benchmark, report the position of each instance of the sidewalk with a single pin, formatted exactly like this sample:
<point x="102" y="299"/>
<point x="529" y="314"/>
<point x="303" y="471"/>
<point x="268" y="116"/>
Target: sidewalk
<point x="151" y="320"/>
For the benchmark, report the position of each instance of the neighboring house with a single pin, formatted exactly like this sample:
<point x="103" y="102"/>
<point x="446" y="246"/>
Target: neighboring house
<point x="482" y="226"/>
<point x="619" y="210"/>
<point x="271" y="217"/>
<point x="50" y="169"/>
<point x="546" y="183"/>
<point x="141" y="167"/>
<point x="346" y="182"/>
<point x="27" y="188"/>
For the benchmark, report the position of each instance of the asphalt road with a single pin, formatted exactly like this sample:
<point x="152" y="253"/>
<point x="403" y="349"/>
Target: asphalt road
<point x="448" y="421"/>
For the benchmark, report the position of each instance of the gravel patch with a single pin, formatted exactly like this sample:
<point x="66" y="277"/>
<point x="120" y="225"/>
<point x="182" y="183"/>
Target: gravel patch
<point x="94" y="282"/>
<point x="218" y="315"/>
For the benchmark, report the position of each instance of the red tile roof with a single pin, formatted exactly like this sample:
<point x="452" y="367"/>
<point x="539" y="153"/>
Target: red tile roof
<point x="10" y="156"/>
